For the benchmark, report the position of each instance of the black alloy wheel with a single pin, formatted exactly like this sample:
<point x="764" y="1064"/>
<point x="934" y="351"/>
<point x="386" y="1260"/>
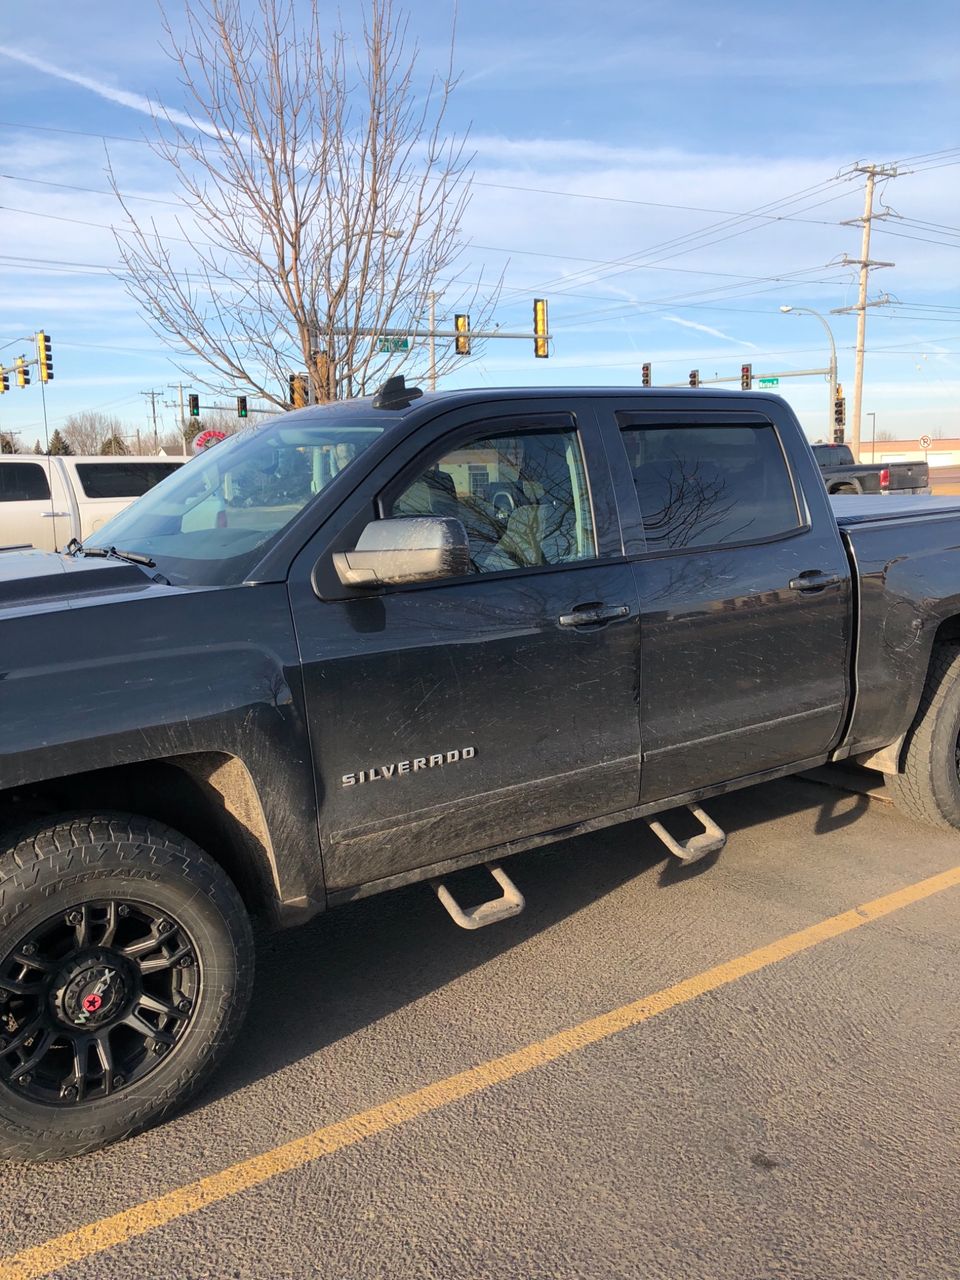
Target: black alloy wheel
<point x="92" y="999"/>
<point x="126" y="967"/>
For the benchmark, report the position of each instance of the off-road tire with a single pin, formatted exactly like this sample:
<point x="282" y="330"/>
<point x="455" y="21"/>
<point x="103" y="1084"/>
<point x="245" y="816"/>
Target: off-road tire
<point x="928" y="789"/>
<point x="86" y="858"/>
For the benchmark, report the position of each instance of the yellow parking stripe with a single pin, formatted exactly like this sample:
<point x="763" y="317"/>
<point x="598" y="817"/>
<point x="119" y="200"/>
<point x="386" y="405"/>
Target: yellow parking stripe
<point x="93" y="1239"/>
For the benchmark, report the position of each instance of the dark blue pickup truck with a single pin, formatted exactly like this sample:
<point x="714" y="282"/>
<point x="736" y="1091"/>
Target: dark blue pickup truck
<point x="843" y="474"/>
<point x="377" y="641"/>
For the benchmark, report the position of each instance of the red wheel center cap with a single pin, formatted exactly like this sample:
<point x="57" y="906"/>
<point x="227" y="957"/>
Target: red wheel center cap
<point x="92" y="1002"/>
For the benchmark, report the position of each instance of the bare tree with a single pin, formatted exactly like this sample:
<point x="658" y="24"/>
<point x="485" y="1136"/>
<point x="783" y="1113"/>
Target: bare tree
<point x="327" y="200"/>
<point x="89" y="430"/>
<point x="114" y="446"/>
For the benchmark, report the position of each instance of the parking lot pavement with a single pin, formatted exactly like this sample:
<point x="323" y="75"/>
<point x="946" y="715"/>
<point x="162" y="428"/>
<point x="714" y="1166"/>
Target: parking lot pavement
<point x="796" y="1119"/>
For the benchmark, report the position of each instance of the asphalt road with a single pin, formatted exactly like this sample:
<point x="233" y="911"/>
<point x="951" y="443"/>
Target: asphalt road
<point x="799" y="1119"/>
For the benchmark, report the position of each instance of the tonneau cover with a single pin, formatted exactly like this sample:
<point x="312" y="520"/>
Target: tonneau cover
<point x="851" y="509"/>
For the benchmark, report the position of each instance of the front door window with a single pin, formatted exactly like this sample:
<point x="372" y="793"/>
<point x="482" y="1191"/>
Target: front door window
<point x="522" y="497"/>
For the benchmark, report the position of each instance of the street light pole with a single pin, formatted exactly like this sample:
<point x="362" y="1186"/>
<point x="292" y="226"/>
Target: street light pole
<point x="833" y="359"/>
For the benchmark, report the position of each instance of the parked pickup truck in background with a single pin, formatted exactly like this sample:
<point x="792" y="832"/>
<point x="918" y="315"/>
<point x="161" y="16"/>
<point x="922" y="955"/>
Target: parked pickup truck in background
<point x="44" y="502"/>
<point x="842" y="475"/>
<point x="377" y="641"/>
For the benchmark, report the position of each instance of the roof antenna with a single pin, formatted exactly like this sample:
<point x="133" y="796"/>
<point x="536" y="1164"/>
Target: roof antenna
<point x="395" y="394"/>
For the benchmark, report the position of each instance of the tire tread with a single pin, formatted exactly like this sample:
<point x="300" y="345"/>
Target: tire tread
<point x="37" y="856"/>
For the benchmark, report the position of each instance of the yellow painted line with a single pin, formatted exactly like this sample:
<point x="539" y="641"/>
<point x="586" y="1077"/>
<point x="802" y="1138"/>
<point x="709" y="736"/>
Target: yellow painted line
<point x="95" y="1238"/>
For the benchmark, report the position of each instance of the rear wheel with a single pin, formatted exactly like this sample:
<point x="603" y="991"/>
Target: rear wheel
<point x="928" y="789"/>
<point x="126" y="961"/>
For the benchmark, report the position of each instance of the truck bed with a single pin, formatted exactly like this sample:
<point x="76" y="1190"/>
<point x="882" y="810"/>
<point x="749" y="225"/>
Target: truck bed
<point x="851" y="509"/>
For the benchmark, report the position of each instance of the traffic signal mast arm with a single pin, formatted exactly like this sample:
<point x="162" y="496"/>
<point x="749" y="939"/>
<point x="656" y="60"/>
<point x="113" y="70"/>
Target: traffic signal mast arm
<point x="462" y="334"/>
<point x="439" y="333"/>
<point x="757" y="377"/>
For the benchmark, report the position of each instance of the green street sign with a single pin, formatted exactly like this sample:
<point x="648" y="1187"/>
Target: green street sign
<point x="387" y="346"/>
<point x="768" y="382"/>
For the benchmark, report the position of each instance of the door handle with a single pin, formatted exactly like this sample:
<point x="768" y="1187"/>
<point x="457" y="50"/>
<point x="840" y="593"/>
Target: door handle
<point x="588" y="615"/>
<point x="53" y="515"/>
<point x="815" y="580"/>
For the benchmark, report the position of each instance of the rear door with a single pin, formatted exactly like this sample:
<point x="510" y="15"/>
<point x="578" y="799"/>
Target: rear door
<point x="452" y="716"/>
<point x="105" y="486"/>
<point x="745" y="593"/>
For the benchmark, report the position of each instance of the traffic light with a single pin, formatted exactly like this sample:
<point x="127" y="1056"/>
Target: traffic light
<point x="694" y="377"/>
<point x="746" y="377"/>
<point x="23" y="372"/>
<point x="4" y="380"/>
<point x="462" y="341"/>
<point x="646" y="375"/>
<point x="840" y="409"/>
<point x="45" y="356"/>
<point x="298" y="390"/>
<point x="241" y="406"/>
<point x="541" y="345"/>
<point x="194" y="402"/>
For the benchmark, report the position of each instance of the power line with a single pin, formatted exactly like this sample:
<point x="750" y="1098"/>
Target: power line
<point x="93" y="191"/>
<point x="944" y="244"/>
<point x="688" y="243"/>
<point x="77" y="133"/>
<point x="927" y="155"/>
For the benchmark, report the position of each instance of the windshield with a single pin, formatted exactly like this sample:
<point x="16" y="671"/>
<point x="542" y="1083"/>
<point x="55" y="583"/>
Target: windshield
<point x="208" y="523"/>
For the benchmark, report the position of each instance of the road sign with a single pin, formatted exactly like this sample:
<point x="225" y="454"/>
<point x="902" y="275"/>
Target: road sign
<point x="387" y="346"/>
<point x="768" y="382"/>
<point x="924" y="442"/>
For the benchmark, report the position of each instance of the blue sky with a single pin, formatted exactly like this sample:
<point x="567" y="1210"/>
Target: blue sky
<point x="601" y="132"/>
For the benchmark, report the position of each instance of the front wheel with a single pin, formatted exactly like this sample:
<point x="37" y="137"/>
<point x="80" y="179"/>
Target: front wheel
<point x="928" y="789"/>
<point x="126" y="962"/>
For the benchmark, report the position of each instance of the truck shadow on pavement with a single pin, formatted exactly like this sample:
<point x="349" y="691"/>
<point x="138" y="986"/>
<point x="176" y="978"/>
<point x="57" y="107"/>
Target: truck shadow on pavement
<point x="362" y="962"/>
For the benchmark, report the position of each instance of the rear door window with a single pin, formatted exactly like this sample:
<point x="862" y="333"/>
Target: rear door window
<point x="708" y="486"/>
<point x="23" y="482"/>
<point x="122" y="479"/>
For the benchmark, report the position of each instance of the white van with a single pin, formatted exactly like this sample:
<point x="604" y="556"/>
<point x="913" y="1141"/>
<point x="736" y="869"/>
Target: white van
<point x="44" y="502"/>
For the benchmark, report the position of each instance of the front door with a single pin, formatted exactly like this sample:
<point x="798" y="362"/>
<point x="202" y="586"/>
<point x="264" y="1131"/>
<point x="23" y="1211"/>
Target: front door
<point x="453" y="716"/>
<point x="29" y="516"/>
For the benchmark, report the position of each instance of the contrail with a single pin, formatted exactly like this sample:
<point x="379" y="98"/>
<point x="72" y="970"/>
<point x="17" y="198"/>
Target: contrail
<point x="136" y="101"/>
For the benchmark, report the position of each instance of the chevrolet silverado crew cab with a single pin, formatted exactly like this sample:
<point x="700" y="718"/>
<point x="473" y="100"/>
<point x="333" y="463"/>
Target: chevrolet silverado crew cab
<point x="377" y="641"/>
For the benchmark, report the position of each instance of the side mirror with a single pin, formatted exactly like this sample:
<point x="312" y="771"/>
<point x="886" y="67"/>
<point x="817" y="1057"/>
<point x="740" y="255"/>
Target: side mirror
<point x="405" y="549"/>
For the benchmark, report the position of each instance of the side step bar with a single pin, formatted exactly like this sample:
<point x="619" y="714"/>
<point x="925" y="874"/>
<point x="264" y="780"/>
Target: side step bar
<point x="710" y="840"/>
<point x="510" y="903"/>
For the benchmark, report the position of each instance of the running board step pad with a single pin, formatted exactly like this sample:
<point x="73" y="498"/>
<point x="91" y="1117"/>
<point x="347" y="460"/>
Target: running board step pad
<point x="710" y="840"/>
<point x="510" y="903"/>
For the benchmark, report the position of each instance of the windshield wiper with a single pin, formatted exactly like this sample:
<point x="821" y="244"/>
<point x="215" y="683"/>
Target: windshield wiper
<point x="133" y="557"/>
<point x="76" y="548"/>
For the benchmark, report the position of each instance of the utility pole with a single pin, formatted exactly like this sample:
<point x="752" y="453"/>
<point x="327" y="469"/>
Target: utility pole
<point x="432" y="375"/>
<point x="153" y="396"/>
<point x="872" y="172"/>
<point x="178" y="386"/>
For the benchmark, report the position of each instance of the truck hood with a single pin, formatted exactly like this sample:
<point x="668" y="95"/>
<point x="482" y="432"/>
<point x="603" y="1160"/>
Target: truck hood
<point x="29" y="577"/>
